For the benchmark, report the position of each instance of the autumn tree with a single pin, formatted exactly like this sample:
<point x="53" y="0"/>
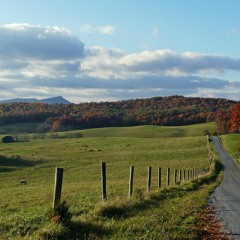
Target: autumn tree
<point x="221" y="122"/>
<point x="234" y="122"/>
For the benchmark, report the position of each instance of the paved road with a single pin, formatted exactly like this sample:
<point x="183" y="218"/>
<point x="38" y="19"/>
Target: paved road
<point x="226" y="197"/>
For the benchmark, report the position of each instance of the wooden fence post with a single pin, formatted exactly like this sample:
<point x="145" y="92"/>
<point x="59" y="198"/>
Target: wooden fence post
<point x="175" y="176"/>
<point x="104" y="181"/>
<point x="180" y="176"/>
<point x="159" y="177"/>
<point x="149" y="178"/>
<point x="168" y="176"/>
<point x="57" y="187"/>
<point x="131" y="181"/>
<point x="184" y="175"/>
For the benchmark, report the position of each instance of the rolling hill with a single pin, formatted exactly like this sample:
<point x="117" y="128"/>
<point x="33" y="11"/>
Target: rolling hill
<point x="161" y="111"/>
<point x="58" y="99"/>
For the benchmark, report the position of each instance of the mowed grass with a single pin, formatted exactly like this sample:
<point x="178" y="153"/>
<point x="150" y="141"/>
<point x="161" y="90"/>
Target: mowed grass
<point x="24" y="208"/>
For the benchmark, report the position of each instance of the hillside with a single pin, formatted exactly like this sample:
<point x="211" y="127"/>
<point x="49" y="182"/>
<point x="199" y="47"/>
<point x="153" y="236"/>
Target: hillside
<point x="52" y="100"/>
<point x="162" y="111"/>
<point x="150" y="131"/>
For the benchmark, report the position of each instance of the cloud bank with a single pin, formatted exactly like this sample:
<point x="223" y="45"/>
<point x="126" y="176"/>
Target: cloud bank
<point x="41" y="62"/>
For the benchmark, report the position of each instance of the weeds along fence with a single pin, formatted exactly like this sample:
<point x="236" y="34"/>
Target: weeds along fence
<point x="174" y="177"/>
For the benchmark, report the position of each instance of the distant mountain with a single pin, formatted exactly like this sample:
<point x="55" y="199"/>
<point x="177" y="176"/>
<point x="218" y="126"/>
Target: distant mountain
<point x="58" y="99"/>
<point x="52" y="100"/>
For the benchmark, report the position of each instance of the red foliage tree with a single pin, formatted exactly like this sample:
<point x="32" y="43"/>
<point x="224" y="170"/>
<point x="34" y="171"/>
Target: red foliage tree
<point x="222" y="119"/>
<point x="234" y="122"/>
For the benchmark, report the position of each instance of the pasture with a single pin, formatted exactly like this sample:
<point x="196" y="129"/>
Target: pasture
<point x="231" y="143"/>
<point x="24" y="208"/>
<point x="151" y="131"/>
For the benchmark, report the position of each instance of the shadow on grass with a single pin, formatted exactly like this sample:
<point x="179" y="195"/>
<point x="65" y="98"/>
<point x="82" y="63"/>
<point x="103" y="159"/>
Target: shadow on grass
<point x="87" y="231"/>
<point x="9" y="164"/>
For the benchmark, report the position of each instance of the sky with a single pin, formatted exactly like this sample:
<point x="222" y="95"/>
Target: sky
<point x="109" y="50"/>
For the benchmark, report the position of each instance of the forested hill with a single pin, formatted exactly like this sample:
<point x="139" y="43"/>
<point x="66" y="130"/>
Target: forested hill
<point x="168" y="111"/>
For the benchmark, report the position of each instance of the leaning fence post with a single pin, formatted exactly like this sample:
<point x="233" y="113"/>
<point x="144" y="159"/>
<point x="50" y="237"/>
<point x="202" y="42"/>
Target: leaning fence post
<point x="149" y="178"/>
<point x="57" y="187"/>
<point x="168" y="176"/>
<point x="159" y="177"/>
<point x="104" y="187"/>
<point x="131" y="181"/>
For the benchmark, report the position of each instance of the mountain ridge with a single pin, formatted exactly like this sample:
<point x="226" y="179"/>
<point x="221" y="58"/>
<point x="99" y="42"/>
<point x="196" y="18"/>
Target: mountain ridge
<point x="52" y="100"/>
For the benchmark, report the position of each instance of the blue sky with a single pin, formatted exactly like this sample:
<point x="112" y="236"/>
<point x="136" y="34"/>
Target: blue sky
<point x="109" y="50"/>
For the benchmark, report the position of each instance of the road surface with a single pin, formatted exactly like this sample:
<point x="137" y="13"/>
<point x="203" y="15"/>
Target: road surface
<point x="226" y="197"/>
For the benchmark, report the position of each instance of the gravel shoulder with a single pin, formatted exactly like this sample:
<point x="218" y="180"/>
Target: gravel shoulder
<point x="226" y="197"/>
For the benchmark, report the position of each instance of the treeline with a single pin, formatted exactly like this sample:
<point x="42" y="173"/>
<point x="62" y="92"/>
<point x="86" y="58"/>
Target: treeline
<point x="165" y="111"/>
<point x="228" y="121"/>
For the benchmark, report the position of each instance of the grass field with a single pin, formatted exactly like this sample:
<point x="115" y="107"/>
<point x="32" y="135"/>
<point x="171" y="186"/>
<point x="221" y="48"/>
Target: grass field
<point x="151" y="131"/>
<point x="24" y="209"/>
<point x="138" y="131"/>
<point x="231" y="142"/>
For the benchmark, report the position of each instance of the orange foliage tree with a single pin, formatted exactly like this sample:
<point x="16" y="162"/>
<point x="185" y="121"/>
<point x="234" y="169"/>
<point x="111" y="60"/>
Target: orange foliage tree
<point x="234" y="122"/>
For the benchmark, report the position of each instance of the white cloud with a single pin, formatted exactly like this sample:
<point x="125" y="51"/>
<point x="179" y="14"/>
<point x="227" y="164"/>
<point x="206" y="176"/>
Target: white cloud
<point x="106" y="30"/>
<point x="47" y="61"/>
<point x="109" y="30"/>
<point x="115" y="64"/>
<point x="87" y="28"/>
<point x="25" y="42"/>
<point x="18" y="26"/>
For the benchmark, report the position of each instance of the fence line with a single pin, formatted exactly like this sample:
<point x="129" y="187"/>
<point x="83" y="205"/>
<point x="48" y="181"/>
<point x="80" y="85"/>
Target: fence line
<point x="189" y="174"/>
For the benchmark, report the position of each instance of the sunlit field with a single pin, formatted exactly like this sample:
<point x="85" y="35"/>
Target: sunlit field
<point x="24" y="207"/>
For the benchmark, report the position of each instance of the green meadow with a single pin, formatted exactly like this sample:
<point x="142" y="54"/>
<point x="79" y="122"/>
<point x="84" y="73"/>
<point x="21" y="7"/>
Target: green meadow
<point x="150" y="131"/>
<point x="231" y="143"/>
<point x="137" y="131"/>
<point x="166" y="213"/>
